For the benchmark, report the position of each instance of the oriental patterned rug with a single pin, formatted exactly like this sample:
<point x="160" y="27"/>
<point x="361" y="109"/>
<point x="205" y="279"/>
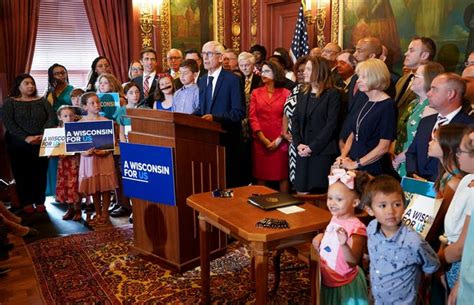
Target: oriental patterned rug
<point x="99" y="268"/>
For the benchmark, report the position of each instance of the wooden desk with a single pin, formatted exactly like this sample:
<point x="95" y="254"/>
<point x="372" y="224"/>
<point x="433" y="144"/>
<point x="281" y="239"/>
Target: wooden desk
<point x="235" y="216"/>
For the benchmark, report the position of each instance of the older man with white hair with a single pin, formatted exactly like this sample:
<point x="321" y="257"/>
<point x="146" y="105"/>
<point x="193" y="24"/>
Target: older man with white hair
<point x="221" y="100"/>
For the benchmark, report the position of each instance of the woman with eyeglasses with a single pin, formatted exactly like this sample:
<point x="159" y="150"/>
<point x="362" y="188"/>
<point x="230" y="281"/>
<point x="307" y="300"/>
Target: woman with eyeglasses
<point x="59" y="90"/>
<point x="269" y="150"/>
<point x="135" y="70"/>
<point x="416" y="110"/>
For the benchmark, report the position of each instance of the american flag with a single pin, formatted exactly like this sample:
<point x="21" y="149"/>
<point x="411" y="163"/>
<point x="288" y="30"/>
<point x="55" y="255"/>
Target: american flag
<point x="299" y="44"/>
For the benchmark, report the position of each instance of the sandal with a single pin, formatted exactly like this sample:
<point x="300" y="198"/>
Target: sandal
<point x="69" y="213"/>
<point x="77" y="215"/>
<point x="29" y="209"/>
<point x="40" y="208"/>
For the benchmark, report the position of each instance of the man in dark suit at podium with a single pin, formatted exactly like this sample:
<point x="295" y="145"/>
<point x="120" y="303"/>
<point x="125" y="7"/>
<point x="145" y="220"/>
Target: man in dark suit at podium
<point x="221" y="100"/>
<point x="446" y="97"/>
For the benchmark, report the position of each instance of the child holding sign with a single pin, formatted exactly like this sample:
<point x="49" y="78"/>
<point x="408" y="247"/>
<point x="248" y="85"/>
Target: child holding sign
<point x="97" y="175"/>
<point x="398" y="255"/>
<point x="67" y="185"/>
<point x="340" y="247"/>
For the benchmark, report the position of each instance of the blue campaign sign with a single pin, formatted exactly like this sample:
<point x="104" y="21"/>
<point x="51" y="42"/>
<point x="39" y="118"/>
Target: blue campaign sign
<point x="84" y="135"/>
<point x="148" y="173"/>
<point x="109" y="103"/>
<point x="414" y="186"/>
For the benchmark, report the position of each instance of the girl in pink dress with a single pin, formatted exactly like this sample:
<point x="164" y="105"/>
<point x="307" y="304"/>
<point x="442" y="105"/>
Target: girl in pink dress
<point x="340" y="247"/>
<point x="97" y="175"/>
<point x="67" y="184"/>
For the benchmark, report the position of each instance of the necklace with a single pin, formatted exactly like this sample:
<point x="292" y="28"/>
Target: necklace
<point x="359" y="119"/>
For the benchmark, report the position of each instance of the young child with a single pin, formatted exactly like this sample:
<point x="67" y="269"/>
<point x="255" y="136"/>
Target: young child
<point x="76" y="102"/>
<point x="67" y="185"/>
<point x="164" y="93"/>
<point x="340" y="247"/>
<point x="397" y="253"/>
<point x="443" y="146"/>
<point x="97" y="175"/>
<point x="186" y="99"/>
<point x="132" y="94"/>
<point x="107" y="83"/>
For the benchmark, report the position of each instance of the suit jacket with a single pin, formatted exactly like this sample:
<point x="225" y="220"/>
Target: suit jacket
<point x="149" y="100"/>
<point x="256" y="82"/>
<point x="316" y="123"/>
<point x="404" y="94"/>
<point x="227" y="105"/>
<point x="417" y="159"/>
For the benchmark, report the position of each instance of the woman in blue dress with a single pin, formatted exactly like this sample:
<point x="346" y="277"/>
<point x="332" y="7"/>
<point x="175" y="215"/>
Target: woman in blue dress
<point x="374" y="128"/>
<point x="164" y="93"/>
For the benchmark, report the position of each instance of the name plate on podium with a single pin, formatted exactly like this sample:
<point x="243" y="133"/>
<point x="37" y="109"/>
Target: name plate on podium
<point x="148" y="173"/>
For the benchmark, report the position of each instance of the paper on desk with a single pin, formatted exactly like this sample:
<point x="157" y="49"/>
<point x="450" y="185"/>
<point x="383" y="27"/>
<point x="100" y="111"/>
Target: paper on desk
<point x="291" y="209"/>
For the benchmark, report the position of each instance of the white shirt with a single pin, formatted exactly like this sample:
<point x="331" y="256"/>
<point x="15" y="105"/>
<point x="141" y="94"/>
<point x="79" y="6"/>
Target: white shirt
<point x="448" y="117"/>
<point x="214" y="81"/>
<point x="461" y="205"/>
<point x="150" y="80"/>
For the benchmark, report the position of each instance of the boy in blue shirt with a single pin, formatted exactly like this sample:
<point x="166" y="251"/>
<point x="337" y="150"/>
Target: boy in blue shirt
<point x="398" y="255"/>
<point x="186" y="99"/>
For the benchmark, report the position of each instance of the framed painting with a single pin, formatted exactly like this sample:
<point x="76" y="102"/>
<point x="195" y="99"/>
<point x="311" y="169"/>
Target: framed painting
<point x="449" y="23"/>
<point x="189" y="24"/>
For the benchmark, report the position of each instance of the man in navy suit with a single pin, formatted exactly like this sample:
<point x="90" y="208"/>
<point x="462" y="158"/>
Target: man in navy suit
<point x="221" y="100"/>
<point x="148" y="80"/>
<point x="445" y="96"/>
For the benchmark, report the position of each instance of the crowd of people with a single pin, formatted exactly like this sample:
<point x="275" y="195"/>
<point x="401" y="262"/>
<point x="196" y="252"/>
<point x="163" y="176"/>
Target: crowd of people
<point x="337" y="121"/>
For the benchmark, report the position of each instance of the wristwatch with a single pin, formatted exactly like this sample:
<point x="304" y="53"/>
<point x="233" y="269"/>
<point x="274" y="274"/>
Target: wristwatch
<point x="358" y="163"/>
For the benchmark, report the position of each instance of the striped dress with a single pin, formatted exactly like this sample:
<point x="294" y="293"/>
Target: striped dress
<point x="288" y="110"/>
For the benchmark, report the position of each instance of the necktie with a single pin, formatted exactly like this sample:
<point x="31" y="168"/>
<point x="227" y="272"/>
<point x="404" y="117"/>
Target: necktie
<point x="248" y="83"/>
<point x="146" y="86"/>
<point x="209" y="94"/>
<point x="442" y="120"/>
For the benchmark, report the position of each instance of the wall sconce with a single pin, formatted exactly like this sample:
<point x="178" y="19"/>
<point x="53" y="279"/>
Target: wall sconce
<point x="319" y="20"/>
<point x="146" y="19"/>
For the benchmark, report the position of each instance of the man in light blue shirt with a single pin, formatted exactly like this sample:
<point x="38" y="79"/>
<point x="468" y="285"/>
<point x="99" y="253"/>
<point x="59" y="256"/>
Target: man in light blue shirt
<point x="186" y="99"/>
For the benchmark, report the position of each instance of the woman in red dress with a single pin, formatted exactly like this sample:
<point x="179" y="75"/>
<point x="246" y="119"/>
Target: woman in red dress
<point x="269" y="150"/>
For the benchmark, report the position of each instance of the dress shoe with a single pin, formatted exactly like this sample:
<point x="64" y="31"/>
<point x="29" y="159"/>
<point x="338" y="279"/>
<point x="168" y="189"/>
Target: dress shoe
<point x="120" y="212"/>
<point x="4" y="270"/>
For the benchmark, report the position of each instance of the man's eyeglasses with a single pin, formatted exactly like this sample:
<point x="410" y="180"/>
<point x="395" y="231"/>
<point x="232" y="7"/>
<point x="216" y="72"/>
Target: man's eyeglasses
<point x="210" y="54"/>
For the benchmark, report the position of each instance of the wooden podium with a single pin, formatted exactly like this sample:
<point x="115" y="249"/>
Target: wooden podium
<point x="170" y="234"/>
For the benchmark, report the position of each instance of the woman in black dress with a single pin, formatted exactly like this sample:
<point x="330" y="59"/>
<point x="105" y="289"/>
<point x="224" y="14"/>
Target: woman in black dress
<point x="315" y="127"/>
<point x="25" y="116"/>
<point x="374" y="128"/>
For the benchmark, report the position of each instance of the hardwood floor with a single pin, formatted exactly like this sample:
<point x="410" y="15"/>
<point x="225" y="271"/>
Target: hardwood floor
<point x="20" y="286"/>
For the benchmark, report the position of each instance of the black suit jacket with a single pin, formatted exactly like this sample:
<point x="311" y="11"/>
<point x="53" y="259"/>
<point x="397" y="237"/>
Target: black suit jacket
<point x="150" y="99"/>
<point x="316" y="124"/>
<point x="256" y="82"/>
<point x="417" y="159"/>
